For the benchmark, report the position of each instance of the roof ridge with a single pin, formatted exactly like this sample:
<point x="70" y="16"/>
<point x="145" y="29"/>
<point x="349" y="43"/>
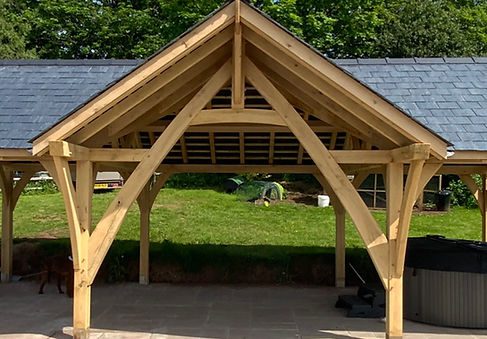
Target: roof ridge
<point x="415" y="60"/>
<point x="70" y="62"/>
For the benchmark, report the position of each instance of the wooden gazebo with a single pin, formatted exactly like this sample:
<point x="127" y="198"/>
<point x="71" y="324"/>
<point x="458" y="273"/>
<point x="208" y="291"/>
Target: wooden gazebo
<point x="237" y="93"/>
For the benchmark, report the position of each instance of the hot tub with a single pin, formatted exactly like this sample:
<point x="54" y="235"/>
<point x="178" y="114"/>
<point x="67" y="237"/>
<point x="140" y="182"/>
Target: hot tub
<point x="445" y="282"/>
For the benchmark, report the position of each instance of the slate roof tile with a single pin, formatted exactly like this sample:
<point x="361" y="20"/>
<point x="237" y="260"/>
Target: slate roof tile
<point x="34" y="94"/>
<point x="447" y="95"/>
<point x="457" y="86"/>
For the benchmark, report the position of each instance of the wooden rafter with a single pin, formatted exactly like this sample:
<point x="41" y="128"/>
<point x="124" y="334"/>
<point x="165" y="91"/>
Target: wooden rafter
<point x="184" y="150"/>
<point x="375" y="240"/>
<point x="211" y="137"/>
<point x="241" y="143"/>
<point x="272" y="140"/>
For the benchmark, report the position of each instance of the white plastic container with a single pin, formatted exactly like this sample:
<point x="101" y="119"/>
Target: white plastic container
<point x="323" y="201"/>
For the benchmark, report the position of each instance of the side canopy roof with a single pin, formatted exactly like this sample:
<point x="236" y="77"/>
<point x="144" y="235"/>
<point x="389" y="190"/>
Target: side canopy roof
<point x="239" y="42"/>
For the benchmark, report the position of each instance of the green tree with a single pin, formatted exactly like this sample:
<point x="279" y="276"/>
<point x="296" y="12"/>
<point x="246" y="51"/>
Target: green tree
<point x="110" y="28"/>
<point x="422" y="28"/>
<point x="13" y="30"/>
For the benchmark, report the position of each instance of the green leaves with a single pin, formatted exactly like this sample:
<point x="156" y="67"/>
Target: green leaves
<point x="339" y="29"/>
<point x="13" y="28"/>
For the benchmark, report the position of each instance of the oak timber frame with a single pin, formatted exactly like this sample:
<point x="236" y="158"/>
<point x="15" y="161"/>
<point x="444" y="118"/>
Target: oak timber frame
<point x="172" y="94"/>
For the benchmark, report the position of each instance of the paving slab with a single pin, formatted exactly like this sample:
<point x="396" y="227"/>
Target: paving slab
<point x="164" y="311"/>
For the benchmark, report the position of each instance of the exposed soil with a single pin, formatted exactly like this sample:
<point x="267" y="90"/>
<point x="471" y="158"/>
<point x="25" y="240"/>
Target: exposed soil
<point x="300" y="192"/>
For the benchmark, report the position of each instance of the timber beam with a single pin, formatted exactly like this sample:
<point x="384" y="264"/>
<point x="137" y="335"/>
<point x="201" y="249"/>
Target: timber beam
<point x="76" y="152"/>
<point x="418" y="151"/>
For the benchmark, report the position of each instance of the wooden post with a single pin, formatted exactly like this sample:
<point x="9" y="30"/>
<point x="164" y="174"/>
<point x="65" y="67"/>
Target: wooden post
<point x="394" y="292"/>
<point x="82" y="289"/>
<point x="340" y="247"/>
<point x="10" y="197"/>
<point x="7" y="223"/>
<point x="480" y="194"/>
<point x="144" y="208"/>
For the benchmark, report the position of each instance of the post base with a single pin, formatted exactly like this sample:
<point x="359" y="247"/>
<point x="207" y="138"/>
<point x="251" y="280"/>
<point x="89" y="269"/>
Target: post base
<point x="81" y="333"/>
<point x="340" y="283"/>
<point x="393" y="336"/>
<point x="5" y="277"/>
<point x="143" y="280"/>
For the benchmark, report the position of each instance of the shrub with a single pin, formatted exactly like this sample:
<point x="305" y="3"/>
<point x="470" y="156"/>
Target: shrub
<point x="461" y="195"/>
<point x="40" y="187"/>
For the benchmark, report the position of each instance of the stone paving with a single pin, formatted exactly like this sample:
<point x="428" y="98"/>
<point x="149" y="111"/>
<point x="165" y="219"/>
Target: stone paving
<point x="189" y="311"/>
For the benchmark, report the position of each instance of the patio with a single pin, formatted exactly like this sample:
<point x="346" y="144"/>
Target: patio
<point x="194" y="311"/>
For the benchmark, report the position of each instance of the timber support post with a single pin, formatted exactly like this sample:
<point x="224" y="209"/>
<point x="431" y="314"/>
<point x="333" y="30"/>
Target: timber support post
<point x="10" y="196"/>
<point x="479" y="191"/>
<point x="145" y="201"/>
<point x="394" y="289"/>
<point x="7" y="223"/>
<point x="82" y="287"/>
<point x="144" y="208"/>
<point x="340" y="246"/>
<point x="78" y="205"/>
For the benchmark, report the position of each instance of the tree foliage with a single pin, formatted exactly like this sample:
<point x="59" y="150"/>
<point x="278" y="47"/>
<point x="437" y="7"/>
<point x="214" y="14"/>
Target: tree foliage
<point x="339" y="29"/>
<point x="13" y="31"/>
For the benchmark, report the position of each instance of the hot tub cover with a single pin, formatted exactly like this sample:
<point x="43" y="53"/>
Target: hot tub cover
<point x="442" y="254"/>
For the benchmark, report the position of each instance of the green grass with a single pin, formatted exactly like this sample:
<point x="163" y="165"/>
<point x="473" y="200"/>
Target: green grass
<point x="196" y="228"/>
<point x="210" y="217"/>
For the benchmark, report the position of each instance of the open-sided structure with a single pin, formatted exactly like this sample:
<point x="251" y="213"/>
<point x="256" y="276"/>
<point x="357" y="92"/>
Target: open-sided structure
<point x="237" y="93"/>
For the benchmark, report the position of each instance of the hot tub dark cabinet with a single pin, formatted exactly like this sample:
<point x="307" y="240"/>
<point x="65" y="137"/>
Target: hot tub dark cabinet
<point x="445" y="282"/>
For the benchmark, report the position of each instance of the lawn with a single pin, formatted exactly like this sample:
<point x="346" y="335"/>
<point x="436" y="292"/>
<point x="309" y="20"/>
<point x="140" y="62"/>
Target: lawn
<point x="208" y="236"/>
<point x="209" y="217"/>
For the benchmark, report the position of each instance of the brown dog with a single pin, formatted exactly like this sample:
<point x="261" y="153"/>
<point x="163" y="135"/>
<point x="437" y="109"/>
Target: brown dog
<point x="62" y="267"/>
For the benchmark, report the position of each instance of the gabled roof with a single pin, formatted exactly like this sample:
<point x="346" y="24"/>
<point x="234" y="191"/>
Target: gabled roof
<point x="35" y="94"/>
<point x="153" y="67"/>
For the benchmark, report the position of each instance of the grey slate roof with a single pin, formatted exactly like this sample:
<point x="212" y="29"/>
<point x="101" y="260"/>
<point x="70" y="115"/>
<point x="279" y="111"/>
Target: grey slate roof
<point x="35" y="94"/>
<point x="448" y="96"/>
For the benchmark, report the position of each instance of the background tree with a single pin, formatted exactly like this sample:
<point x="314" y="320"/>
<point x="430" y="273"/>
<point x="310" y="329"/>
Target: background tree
<point x="13" y="31"/>
<point x="424" y="28"/>
<point x="337" y="28"/>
